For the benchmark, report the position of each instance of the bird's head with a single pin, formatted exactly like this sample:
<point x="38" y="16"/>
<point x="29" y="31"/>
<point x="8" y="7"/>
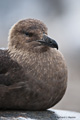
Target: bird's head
<point x="30" y="34"/>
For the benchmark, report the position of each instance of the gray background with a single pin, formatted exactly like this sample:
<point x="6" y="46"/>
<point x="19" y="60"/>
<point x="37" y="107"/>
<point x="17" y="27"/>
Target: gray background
<point x="62" y="18"/>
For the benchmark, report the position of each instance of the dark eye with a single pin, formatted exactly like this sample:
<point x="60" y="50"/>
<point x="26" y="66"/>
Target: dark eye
<point x="29" y="34"/>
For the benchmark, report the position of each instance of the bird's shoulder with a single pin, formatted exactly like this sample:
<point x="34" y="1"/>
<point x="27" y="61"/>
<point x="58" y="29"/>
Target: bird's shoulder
<point x="6" y="62"/>
<point x="4" y="57"/>
<point x="3" y="54"/>
<point x="10" y="70"/>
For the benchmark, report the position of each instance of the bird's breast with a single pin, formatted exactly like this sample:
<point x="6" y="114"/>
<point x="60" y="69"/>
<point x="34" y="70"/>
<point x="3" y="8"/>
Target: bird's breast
<point x="45" y="77"/>
<point x="48" y="68"/>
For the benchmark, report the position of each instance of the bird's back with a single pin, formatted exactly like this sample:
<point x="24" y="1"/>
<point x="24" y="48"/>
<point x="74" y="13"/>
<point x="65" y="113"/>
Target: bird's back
<point x="10" y="76"/>
<point x="8" y="68"/>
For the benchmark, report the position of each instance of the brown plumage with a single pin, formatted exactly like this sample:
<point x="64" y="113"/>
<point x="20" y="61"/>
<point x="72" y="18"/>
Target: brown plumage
<point x="33" y="73"/>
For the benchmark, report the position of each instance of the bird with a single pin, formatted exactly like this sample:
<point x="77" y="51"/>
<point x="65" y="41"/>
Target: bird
<point x="33" y="72"/>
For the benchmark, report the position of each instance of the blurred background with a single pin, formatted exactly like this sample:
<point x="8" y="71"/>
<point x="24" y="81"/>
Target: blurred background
<point x="62" y="18"/>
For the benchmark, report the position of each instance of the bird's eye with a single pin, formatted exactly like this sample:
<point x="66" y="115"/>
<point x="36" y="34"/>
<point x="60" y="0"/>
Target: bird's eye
<point x="29" y="34"/>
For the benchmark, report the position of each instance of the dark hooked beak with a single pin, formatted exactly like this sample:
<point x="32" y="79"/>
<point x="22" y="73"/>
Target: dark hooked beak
<point x="48" y="41"/>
